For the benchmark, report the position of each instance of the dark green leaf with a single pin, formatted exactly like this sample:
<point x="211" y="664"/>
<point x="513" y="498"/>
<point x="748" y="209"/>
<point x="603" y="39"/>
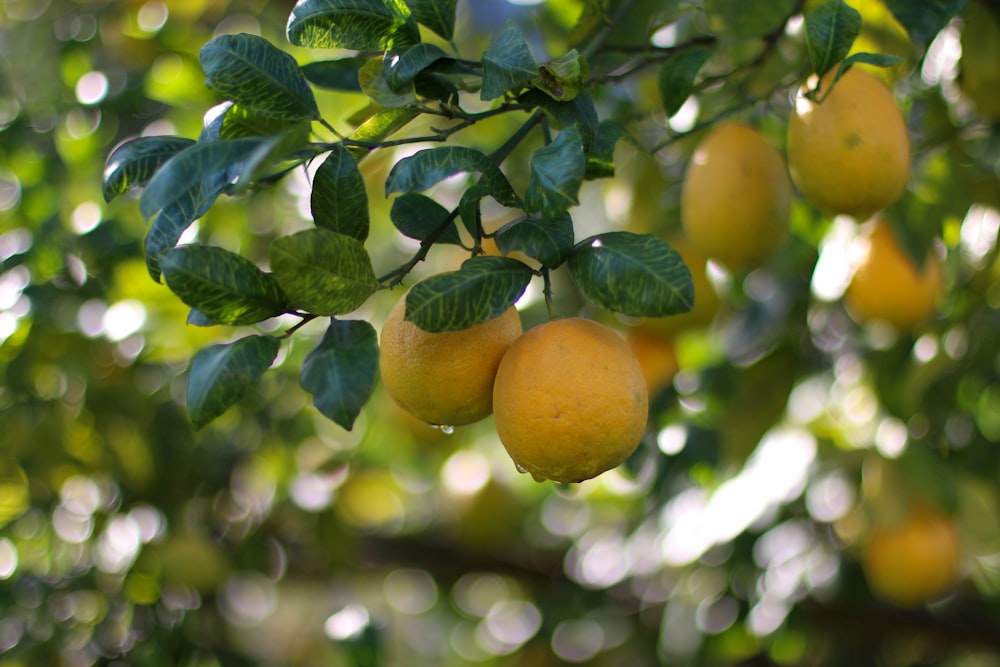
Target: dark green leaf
<point x="580" y="111"/>
<point x="133" y="163"/>
<point x="739" y="19"/>
<point x="341" y="371"/>
<point x="362" y="25"/>
<point x="271" y="151"/>
<point x="339" y="200"/>
<point x="677" y="77"/>
<point x="549" y="240"/>
<point x="562" y="79"/>
<point x="924" y="19"/>
<point x="438" y="15"/>
<point x="220" y="375"/>
<point x="237" y="122"/>
<point x="481" y="289"/>
<point x="633" y="274"/>
<point x="507" y="64"/>
<point x="428" y="167"/>
<point x="374" y="84"/>
<point x="163" y="234"/>
<point x="258" y="76"/>
<point x="470" y="209"/>
<point x="876" y="59"/>
<point x="194" y="176"/>
<point x="402" y="69"/>
<point x="557" y="172"/>
<point x="831" y="29"/>
<point x="223" y="286"/>
<point x="420" y="217"/>
<point x="196" y="318"/>
<point x="601" y="157"/>
<point x="340" y="74"/>
<point x="323" y="272"/>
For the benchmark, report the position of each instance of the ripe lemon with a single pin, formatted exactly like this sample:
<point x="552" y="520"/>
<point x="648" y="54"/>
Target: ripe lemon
<point x="657" y="357"/>
<point x="736" y="197"/>
<point x="570" y="400"/>
<point x="913" y="562"/>
<point x="444" y="378"/>
<point x="886" y="284"/>
<point x="850" y="154"/>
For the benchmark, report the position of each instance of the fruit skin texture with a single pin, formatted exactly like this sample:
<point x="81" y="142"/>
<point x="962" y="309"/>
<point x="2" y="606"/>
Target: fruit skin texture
<point x="915" y="561"/>
<point x="850" y="154"/>
<point x="886" y="284"/>
<point x="444" y="378"/>
<point x="570" y="400"/>
<point x="736" y="197"/>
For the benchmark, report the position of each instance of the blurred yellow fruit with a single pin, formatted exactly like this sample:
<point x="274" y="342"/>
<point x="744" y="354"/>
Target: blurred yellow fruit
<point x="915" y="561"/>
<point x="849" y="154"/>
<point x="736" y="198"/>
<point x="656" y="355"/>
<point x="570" y="400"/>
<point x="444" y="378"/>
<point x="886" y="284"/>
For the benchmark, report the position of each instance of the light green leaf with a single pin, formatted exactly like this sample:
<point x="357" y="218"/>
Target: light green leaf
<point x="339" y="201"/>
<point x="632" y="274"/>
<point x="601" y="156"/>
<point x="374" y="84"/>
<point x="677" y="76"/>
<point x="438" y="15"/>
<point x="134" y="162"/>
<point x="562" y="79"/>
<point x="482" y="288"/>
<point x="549" y="240"/>
<point x="380" y="125"/>
<point x="223" y="286"/>
<point x="258" y="76"/>
<point x="220" y="375"/>
<point x="507" y="64"/>
<point x="340" y="373"/>
<point x="428" y="167"/>
<point x="323" y="272"/>
<point x="362" y="25"/>
<point x="831" y="29"/>
<point x="420" y="217"/>
<point x="557" y="172"/>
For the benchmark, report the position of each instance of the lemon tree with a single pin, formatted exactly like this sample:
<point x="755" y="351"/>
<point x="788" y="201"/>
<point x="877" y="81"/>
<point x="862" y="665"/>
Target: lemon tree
<point x="250" y="251"/>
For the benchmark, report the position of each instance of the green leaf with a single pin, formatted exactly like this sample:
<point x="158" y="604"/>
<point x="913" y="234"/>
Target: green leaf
<point x="633" y="274"/>
<point x="220" y="375"/>
<point x="163" y="234"/>
<point x="924" y="19"/>
<point x="438" y="15"/>
<point x="225" y="287"/>
<point x="601" y="157"/>
<point x="470" y="208"/>
<point x="340" y="74"/>
<point x="507" y="64"/>
<point x="374" y="84"/>
<point x="831" y="29"/>
<point x="481" y="289"/>
<point x="557" y="172"/>
<point x="258" y="76"/>
<point x="876" y="59"/>
<point x="739" y="19"/>
<point x="580" y="111"/>
<point x="549" y="240"/>
<point x="419" y="217"/>
<point x="379" y="126"/>
<point x="340" y="373"/>
<point x="428" y="167"/>
<point x="339" y="201"/>
<point x="562" y="79"/>
<point x="362" y="25"/>
<point x="231" y="121"/>
<point x="195" y="176"/>
<point x="403" y="68"/>
<point x="677" y="75"/>
<point x="323" y="272"/>
<point x="133" y="163"/>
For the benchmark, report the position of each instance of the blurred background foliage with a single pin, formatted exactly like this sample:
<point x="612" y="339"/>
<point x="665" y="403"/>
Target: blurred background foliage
<point x="783" y="433"/>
